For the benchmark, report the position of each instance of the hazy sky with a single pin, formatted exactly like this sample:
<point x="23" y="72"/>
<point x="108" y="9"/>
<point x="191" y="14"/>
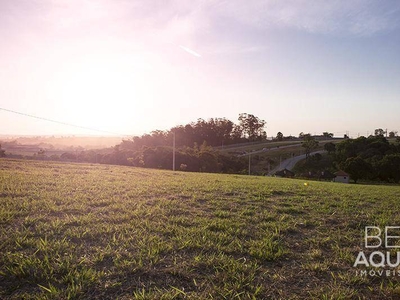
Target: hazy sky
<point x="134" y="66"/>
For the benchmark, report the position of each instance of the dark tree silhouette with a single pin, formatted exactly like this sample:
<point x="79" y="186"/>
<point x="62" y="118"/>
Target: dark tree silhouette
<point x="309" y="144"/>
<point x="330" y="147"/>
<point x="252" y="127"/>
<point x="279" y="136"/>
<point x="357" y="168"/>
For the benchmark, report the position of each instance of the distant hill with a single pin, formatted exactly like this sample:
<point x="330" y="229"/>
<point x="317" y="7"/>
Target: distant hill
<point x="59" y="142"/>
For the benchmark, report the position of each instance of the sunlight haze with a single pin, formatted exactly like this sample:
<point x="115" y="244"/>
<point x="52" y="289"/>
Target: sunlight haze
<point x="130" y="67"/>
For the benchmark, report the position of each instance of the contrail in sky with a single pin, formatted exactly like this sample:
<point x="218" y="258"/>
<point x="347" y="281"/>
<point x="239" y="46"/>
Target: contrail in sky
<point x="189" y="51"/>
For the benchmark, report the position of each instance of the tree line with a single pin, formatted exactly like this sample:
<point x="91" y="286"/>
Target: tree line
<point x="372" y="158"/>
<point x="214" y="132"/>
<point x="194" y="142"/>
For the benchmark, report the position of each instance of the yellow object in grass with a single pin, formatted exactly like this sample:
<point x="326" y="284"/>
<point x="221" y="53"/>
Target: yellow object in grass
<point x="306" y="183"/>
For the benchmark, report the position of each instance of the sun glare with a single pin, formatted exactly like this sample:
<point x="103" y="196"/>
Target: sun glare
<point x="99" y="92"/>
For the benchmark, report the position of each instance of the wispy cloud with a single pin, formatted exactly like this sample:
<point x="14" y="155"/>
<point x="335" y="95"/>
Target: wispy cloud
<point x="357" y="17"/>
<point x="189" y="51"/>
<point x="212" y="26"/>
<point x="360" y="17"/>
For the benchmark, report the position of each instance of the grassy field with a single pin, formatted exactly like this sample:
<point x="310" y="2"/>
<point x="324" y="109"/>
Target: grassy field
<point x="80" y="231"/>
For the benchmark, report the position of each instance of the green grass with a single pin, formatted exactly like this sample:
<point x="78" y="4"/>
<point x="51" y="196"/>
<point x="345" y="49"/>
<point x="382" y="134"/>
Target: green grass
<point x="80" y="231"/>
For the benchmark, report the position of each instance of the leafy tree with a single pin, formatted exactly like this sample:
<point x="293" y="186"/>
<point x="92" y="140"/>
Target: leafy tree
<point x="309" y="144"/>
<point x="364" y="147"/>
<point x="279" y="136"/>
<point x="252" y="127"/>
<point x="380" y="132"/>
<point x="237" y="135"/>
<point x="392" y="134"/>
<point x="330" y="147"/>
<point x="389" y="168"/>
<point x="223" y="128"/>
<point x="357" y="167"/>
<point x="215" y="131"/>
<point x="367" y="158"/>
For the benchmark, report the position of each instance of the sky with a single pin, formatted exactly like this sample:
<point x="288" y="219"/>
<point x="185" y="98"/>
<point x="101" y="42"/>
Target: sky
<point x="130" y="67"/>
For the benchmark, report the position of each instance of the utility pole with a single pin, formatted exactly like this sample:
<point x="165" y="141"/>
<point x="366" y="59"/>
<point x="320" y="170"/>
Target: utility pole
<point x="173" y="153"/>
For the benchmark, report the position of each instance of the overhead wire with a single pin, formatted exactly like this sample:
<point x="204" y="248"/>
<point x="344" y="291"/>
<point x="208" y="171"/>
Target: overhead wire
<point x="60" y="122"/>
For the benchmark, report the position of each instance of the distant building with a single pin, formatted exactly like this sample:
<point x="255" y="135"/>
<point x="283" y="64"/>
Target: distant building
<point x="326" y="175"/>
<point x="309" y="175"/>
<point x="284" y="173"/>
<point x="341" y="176"/>
<point x="320" y="175"/>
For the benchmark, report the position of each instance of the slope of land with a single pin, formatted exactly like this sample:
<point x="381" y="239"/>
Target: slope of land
<point x="29" y="145"/>
<point x="291" y="162"/>
<point x="83" y="231"/>
<point x="269" y="157"/>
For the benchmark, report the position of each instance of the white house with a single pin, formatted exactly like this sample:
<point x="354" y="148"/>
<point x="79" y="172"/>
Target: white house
<point x="341" y="176"/>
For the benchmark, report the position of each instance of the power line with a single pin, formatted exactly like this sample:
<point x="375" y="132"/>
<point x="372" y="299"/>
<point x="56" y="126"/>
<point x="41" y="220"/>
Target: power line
<point x="59" y="122"/>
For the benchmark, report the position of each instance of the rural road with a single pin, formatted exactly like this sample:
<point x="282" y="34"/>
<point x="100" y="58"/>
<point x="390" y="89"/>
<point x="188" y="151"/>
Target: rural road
<point x="291" y="162"/>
